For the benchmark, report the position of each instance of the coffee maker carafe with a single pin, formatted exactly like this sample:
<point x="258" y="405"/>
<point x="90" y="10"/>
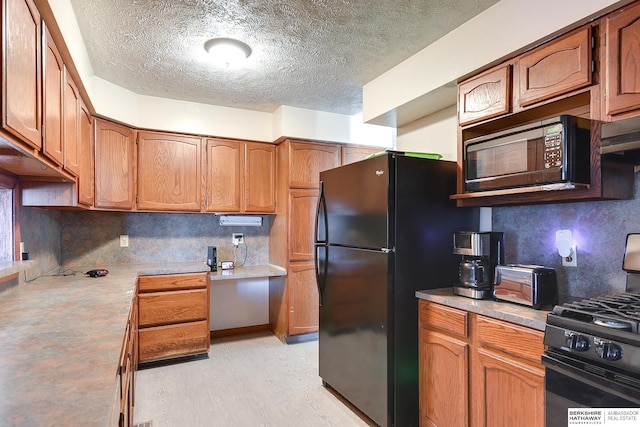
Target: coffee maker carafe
<point x="481" y="252"/>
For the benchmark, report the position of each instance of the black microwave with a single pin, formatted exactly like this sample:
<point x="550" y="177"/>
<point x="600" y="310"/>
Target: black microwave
<point x="551" y="151"/>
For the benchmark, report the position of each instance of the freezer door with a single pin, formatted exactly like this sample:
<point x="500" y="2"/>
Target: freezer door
<point x="356" y="198"/>
<point x="353" y="339"/>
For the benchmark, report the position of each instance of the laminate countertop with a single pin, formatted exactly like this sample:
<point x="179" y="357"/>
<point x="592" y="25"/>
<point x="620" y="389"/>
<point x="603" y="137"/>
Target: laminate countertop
<point x="60" y="342"/>
<point x="509" y="312"/>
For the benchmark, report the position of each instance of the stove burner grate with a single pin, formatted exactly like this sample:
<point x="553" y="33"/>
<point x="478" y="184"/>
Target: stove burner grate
<point x="620" y="311"/>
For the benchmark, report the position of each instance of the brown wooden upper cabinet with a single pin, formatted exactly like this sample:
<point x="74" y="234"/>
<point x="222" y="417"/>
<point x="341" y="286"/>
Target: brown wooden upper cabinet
<point x="260" y="177"/>
<point x="52" y="90"/>
<point x="21" y="64"/>
<point x="225" y="163"/>
<point x="86" y="192"/>
<point x="71" y="122"/>
<point x="308" y="159"/>
<point x="240" y="176"/>
<point x="622" y="60"/>
<point x="114" y="165"/>
<point x="485" y="96"/>
<point x="555" y="68"/>
<point x="169" y="176"/>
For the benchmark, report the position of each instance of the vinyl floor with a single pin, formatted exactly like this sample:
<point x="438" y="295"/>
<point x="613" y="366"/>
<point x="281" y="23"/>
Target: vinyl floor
<point x="249" y="380"/>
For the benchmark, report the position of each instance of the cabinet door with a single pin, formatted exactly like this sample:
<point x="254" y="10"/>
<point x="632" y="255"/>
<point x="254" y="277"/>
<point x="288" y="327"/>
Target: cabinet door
<point x="355" y="153"/>
<point x="623" y="60"/>
<point x="114" y="165"/>
<point x="70" y="135"/>
<point x="509" y="393"/>
<point x="307" y="160"/>
<point x="555" y="68"/>
<point x="169" y="176"/>
<point x="225" y="166"/>
<point x="53" y="80"/>
<point x="302" y="205"/>
<point x="444" y="380"/>
<point x="260" y="178"/>
<point x="21" y="86"/>
<point x="85" y="144"/>
<point x="485" y="96"/>
<point x="303" y="299"/>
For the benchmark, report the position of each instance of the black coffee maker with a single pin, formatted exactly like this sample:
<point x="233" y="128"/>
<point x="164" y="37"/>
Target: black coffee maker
<point x="481" y="252"/>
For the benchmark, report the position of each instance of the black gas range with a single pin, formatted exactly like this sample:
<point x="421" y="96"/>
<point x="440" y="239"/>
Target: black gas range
<point x="592" y="358"/>
<point x="605" y="330"/>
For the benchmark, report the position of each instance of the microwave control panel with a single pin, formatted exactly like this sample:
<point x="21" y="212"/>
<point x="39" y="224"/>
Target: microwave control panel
<point x="553" y="150"/>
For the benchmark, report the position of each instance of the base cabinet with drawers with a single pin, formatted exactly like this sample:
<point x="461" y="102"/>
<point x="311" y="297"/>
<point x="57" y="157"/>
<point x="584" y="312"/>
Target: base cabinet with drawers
<point x="478" y="371"/>
<point x="173" y="316"/>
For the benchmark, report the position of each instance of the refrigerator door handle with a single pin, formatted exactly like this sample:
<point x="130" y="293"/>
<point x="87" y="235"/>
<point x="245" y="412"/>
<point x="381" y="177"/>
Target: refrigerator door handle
<point x="321" y="276"/>
<point x="321" y="215"/>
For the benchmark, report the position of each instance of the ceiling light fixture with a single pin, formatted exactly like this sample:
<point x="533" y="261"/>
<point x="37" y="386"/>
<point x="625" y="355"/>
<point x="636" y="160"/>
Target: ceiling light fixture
<point x="227" y="51"/>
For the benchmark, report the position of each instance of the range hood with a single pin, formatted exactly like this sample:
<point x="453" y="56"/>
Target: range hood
<point x="621" y="137"/>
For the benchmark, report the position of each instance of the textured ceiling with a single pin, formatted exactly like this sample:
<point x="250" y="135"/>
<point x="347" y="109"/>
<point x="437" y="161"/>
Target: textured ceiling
<point x="314" y="54"/>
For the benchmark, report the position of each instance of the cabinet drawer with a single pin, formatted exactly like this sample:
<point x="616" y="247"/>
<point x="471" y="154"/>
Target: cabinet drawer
<point x="164" y="342"/>
<point x="170" y="282"/>
<point x="440" y="317"/>
<point x="506" y="337"/>
<point x="162" y="308"/>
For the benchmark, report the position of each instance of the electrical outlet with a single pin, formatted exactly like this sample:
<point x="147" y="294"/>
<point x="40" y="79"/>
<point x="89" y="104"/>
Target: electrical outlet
<point x="572" y="260"/>
<point x="237" y="238"/>
<point x="124" y="240"/>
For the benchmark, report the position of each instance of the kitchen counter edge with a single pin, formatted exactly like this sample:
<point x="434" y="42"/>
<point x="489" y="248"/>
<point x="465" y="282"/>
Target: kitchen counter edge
<point x="514" y="313"/>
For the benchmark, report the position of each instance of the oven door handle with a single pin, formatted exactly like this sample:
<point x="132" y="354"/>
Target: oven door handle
<point x="580" y="373"/>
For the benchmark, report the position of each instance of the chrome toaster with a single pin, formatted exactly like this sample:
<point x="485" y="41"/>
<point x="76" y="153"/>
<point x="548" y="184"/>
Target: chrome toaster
<point x="532" y="285"/>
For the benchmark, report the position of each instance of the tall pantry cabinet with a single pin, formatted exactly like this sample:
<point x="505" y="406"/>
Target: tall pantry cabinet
<point x="293" y="299"/>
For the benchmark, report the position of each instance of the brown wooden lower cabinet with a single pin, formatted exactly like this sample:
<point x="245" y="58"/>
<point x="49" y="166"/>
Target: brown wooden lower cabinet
<point x="303" y="299"/>
<point x="163" y="342"/>
<point x="478" y="371"/>
<point x="444" y="381"/>
<point x="173" y="316"/>
<point x="122" y="412"/>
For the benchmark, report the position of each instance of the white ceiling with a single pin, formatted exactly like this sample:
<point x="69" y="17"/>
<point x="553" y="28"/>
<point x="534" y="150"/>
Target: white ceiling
<point x="314" y="54"/>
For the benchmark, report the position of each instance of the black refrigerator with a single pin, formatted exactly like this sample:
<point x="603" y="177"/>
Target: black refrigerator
<point x="384" y="229"/>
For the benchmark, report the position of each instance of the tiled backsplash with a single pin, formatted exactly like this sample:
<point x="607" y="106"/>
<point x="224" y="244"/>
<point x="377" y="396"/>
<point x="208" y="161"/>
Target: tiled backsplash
<point x="93" y="238"/>
<point x="40" y="232"/>
<point x="599" y="229"/>
<point x="70" y="239"/>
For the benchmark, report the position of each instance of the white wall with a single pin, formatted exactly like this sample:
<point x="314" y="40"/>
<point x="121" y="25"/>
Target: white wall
<point x="436" y="133"/>
<point x="142" y="111"/>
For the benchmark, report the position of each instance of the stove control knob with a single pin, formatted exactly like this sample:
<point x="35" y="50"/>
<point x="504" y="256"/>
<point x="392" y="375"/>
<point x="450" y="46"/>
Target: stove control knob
<point x="609" y="351"/>
<point x="578" y="342"/>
